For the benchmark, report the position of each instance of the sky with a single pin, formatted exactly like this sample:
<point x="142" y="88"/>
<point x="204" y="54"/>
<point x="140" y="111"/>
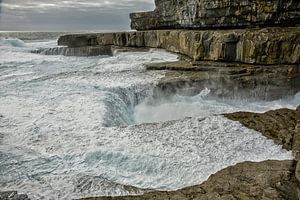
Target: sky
<point x="69" y="15"/>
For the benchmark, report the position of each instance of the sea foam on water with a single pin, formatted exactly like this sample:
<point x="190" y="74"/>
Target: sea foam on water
<point x="77" y="127"/>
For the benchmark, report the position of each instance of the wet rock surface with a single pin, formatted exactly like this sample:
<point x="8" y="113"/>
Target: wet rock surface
<point x="230" y="80"/>
<point x="76" y="51"/>
<point x="265" y="180"/>
<point x="87" y="51"/>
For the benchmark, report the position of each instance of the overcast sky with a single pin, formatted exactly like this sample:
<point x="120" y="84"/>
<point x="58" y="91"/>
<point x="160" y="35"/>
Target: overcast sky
<point x="69" y="15"/>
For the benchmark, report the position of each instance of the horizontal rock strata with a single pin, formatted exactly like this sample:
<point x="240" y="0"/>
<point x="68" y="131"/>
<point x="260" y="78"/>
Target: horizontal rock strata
<point x="76" y="51"/>
<point x="268" y="180"/>
<point x="253" y="46"/>
<point x="212" y="14"/>
<point x="86" y="51"/>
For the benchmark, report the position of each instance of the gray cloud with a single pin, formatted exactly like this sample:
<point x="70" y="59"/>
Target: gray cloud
<point x="66" y="15"/>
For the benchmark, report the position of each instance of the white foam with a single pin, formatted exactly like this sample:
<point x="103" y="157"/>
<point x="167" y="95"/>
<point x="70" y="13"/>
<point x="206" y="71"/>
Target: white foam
<point x="161" y="156"/>
<point x="202" y="105"/>
<point x="11" y="42"/>
<point x="52" y="115"/>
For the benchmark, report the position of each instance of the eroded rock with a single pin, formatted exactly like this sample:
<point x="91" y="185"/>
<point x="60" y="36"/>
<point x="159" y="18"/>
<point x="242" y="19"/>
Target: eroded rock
<point x="253" y="46"/>
<point x="207" y="14"/>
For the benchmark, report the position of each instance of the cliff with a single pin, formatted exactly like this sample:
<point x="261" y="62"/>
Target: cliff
<point x="253" y="46"/>
<point x="212" y="14"/>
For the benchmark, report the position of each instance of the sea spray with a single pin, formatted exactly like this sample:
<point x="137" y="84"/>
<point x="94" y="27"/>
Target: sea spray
<point x="176" y="107"/>
<point x="61" y="136"/>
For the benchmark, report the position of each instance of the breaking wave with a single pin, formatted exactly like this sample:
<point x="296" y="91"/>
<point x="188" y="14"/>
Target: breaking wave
<point x="12" y="42"/>
<point x="75" y="127"/>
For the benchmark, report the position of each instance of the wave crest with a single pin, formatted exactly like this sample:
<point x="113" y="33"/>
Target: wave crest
<point x="12" y="42"/>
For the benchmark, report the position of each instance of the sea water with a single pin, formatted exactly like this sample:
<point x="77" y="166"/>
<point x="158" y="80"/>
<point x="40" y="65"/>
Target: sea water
<point x="73" y="127"/>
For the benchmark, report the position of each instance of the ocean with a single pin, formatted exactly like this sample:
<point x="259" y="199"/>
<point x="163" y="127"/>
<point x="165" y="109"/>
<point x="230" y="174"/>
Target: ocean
<point x="74" y="127"/>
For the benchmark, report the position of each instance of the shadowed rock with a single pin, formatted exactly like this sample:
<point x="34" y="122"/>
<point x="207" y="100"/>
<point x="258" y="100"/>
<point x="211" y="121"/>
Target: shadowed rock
<point x="230" y="80"/>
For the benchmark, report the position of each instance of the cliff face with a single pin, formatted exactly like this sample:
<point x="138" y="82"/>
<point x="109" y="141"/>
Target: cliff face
<point x="207" y="14"/>
<point x="253" y="46"/>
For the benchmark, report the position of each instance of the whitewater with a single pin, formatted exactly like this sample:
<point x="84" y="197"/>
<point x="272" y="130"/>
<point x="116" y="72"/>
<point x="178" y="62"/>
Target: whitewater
<point x="74" y="127"/>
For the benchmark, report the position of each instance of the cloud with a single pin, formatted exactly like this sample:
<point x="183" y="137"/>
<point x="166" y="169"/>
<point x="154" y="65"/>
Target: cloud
<point x="66" y="15"/>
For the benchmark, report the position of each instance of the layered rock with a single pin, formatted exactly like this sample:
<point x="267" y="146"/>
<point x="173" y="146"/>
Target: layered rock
<point x="253" y="46"/>
<point x="208" y="14"/>
<point x="86" y="51"/>
<point x="76" y="51"/>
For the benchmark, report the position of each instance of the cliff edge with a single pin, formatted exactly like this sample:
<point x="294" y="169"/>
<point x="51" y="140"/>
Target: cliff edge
<point x="217" y="14"/>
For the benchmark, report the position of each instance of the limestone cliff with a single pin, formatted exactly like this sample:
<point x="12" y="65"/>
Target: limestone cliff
<point x="211" y="14"/>
<point x="253" y="46"/>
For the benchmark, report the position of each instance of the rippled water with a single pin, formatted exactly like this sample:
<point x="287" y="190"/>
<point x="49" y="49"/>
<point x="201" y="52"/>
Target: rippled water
<point x="67" y="126"/>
